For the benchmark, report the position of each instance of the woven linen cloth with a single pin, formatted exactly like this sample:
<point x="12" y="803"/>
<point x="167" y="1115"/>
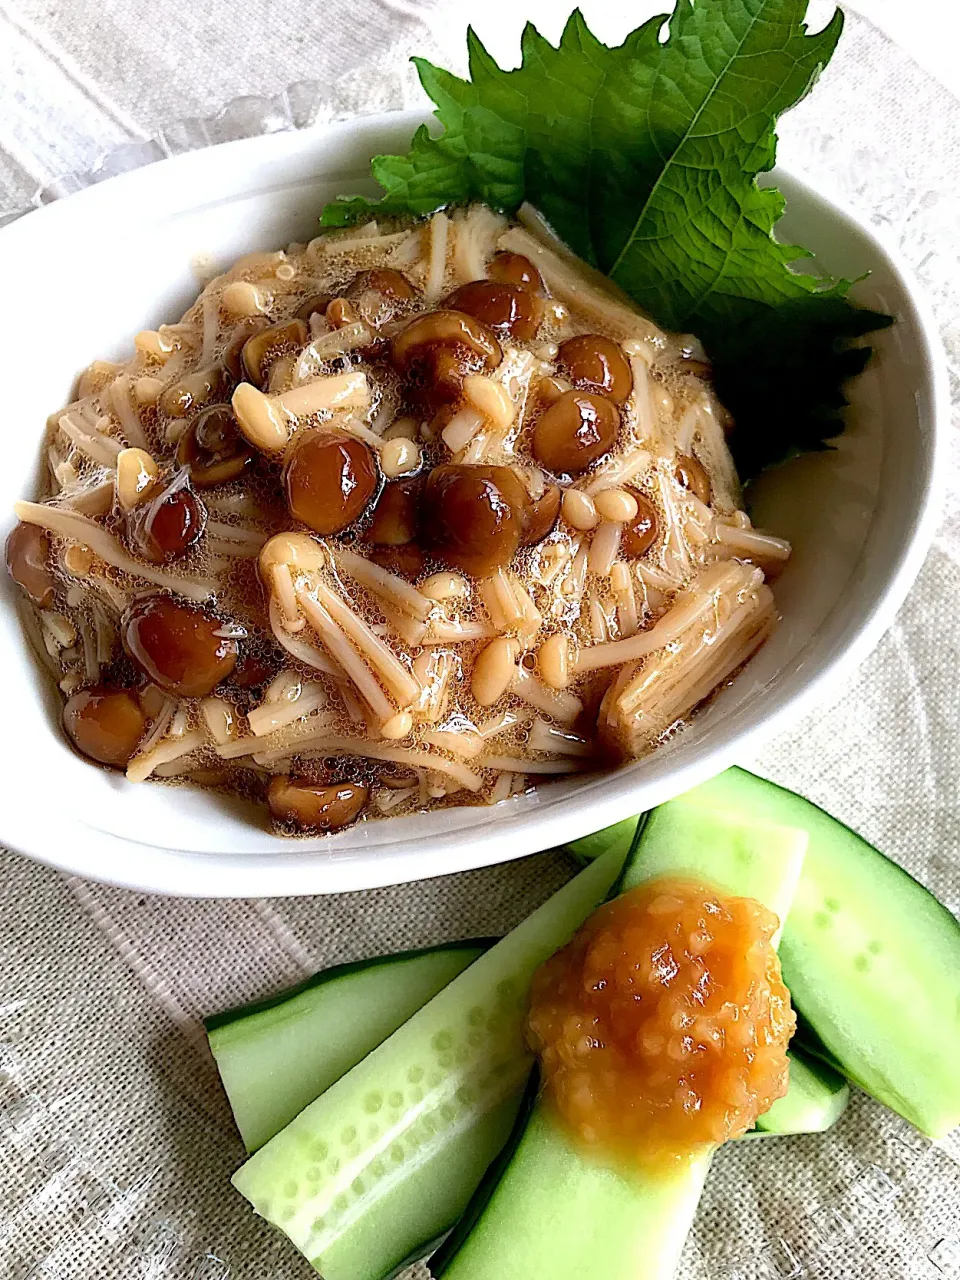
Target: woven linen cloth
<point x="116" y="1144"/>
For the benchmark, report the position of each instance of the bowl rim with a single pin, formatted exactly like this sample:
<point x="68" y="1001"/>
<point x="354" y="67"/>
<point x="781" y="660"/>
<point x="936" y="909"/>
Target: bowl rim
<point x="155" y="869"/>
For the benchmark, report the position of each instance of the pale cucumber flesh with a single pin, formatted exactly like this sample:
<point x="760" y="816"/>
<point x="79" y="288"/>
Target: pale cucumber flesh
<point x="275" y="1057"/>
<point x="740" y="856"/>
<point x="555" y="1215"/>
<point x="413" y="1212"/>
<point x="815" y="1101"/>
<point x="558" y="1214"/>
<point x="389" y="1133"/>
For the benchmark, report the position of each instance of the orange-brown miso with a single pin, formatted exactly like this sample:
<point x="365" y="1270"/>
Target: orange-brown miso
<point x="662" y="1027"/>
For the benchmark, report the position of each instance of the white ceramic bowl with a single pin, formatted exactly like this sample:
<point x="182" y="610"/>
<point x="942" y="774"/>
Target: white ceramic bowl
<point x="89" y="271"/>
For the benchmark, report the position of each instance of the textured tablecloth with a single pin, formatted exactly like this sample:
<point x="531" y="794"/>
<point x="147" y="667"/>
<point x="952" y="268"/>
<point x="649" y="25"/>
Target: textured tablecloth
<point x="115" y="1141"/>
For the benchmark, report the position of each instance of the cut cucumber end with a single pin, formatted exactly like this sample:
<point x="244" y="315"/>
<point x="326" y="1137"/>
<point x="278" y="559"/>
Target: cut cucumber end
<point x="815" y="1101"/>
<point x="746" y="858"/>
<point x="871" y="959"/>
<point x="869" y="955"/>
<point x="277" y="1056"/>
<point x="556" y="1214"/>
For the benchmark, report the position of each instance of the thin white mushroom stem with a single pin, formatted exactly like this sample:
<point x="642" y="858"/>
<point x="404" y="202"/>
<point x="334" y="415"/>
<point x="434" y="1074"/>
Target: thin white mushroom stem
<point x="93" y="444"/>
<point x="354" y="427"/>
<point x="575" y="577"/>
<point x="105" y="632"/>
<point x="502" y="720"/>
<point x="699" y="601"/>
<point x="210" y="320"/>
<point x="675" y="545"/>
<point x="475" y="235"/>
<point x="270" y="716"/>
<point x="749" y="542"/>
<point x="599" y="629"/>
<point x="323" y="746"/>
<point x="621" y="584"/>
<point x="686" y="428"/>
<point x="372" y="240"/>
<point x="499" y="600"/>
<point x="281" y="585"/>
<point x="299" y="649"/>
<point x="491" y="399"/>
<point x="30" y="621"/>
<point x="120" y="396"/>
<point x="408" y="629"/>
<point x="455" y="631"/>
<point x="142" y="765"/>
<point x="386" y="801"/>
<point x="70" y="524"/>
<point x="435" y="671"/>
<point x="462" y="428"/>
<point x="658" y="579"/>
<point x="220" y="718"/>
<point x="339" y="391"/>
<point x="325" y="346"/>
<point x="463" y="743"/>
<point x="333" y="639"/>
<point x="267" y="420"/>
<point x="438" y="231"/>
<point x="251" y="540"/>
<point x="645" y="416"/>
<point x="90" y="661"/>
<point x="502" y="789"/>
<point x="509" y="605"/>
<point x="383" y="584"/>
<point x="286" y="686"/>
<point x="574" y="283"/>
<point x="604" y="547"/>
<point x="88" y="499"/>
<point x="650" y="696"/>
<point x="281" y="742"/>
<point x="377" y="654"/>
<point x="351" y="703"/>
<point x="558" y="704"/>
<point x="547" y="737"/>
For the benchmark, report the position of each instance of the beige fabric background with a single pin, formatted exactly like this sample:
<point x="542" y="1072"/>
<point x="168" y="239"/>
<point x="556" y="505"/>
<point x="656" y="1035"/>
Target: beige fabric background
<point x="115" y="1142"/>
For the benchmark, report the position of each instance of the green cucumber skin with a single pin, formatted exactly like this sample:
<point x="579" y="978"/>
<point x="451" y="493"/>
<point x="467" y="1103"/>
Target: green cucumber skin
<point x="556" y="1214"/>
<point x="871" y="958"/>
<point x="243" y="1012"/>
<point x="277" y="1056"/>
<point x="377" y="1168"/>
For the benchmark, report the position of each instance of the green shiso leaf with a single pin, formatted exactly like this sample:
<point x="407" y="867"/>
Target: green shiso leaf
<point x="644" y="159"/>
